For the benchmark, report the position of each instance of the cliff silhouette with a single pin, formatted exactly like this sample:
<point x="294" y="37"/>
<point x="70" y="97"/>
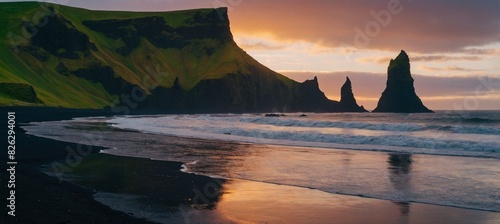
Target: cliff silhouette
<point x="399" y="95"/>
<point x="183" y="61"/>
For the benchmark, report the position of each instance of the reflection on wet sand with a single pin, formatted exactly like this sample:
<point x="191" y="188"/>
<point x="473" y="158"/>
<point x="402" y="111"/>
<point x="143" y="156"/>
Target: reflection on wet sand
<point x="404" y="207"/>
<point x="400" y="163"/>
<point x="256" y="202"/>
<point x="400" y="166"/>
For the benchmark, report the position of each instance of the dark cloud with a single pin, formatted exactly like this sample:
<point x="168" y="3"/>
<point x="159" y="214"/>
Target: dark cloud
<point x="421" y="26"/>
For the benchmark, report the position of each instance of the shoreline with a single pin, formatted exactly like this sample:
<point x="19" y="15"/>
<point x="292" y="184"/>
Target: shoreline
<point x="41" y="198"/>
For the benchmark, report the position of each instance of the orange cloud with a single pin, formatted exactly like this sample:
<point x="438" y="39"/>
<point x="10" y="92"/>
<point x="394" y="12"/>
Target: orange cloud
<point x="443" y="58"/>
<point x="260" y="46"/>
<point x="378" y="60"/>
<point x="479" y="51"/>
<point x="424" y="58"/>
<point x="253" y="43"/>
<point x="449" y="68"/>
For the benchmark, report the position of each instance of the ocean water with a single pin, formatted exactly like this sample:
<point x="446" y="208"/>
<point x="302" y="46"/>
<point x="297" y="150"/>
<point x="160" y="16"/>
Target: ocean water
<point x="458" y="134"/>
<point x="444" y="158"/>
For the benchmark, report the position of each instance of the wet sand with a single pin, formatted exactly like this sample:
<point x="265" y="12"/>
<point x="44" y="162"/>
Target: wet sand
<point x="44" y="199"/>
<point x="41" y="198"/>
<point x="159" y="192"/>
<point x="254" y="202"/>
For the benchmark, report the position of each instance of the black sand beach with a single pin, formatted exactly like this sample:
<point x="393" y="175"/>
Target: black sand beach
<point x="41" y="198"/>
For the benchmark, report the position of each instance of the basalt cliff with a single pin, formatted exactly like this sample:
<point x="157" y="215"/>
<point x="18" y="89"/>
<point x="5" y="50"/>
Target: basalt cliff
<point x="182" y="61"/>
<point x="399" y="95"/>
<point x="347" y="100"/>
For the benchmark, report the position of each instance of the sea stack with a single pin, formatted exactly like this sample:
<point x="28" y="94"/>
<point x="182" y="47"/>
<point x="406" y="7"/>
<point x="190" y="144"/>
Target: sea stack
<point x="347" y="99"/>
<point x="399" y="95"/>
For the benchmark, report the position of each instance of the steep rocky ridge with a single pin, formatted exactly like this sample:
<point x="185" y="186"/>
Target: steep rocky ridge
<point x="399" y="95"/>
<point x="347" y="100"/>
<point x="183" y="60"/>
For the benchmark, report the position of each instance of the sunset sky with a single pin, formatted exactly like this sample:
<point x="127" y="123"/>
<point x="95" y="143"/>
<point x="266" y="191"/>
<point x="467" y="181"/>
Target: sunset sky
<point x="454" y="45"/>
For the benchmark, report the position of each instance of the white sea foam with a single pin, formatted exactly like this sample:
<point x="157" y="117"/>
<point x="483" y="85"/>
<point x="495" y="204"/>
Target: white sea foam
<point x="428" y="138"/>
<point x="400" y="127"/>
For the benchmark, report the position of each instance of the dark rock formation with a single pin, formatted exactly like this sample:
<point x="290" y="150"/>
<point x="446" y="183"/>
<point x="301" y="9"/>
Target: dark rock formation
<point x="399" y="95"/>
<point x="99" y="74"/>
<point x="275" y="115"/>
<point x="130" y="31"/>
<point x="232" y="93"/>
<point x="310" y="97"/>
<point x="61" y="38"/>
<point x="242" y="93"/>
<point x="347" y="100"/>
<point x="20" y="91"/>
<point x="156" y="31"/>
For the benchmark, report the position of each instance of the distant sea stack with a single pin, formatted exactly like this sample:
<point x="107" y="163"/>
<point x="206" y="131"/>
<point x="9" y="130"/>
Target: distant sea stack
<point x="347" y="100"/>
<point x="399" y="95"/>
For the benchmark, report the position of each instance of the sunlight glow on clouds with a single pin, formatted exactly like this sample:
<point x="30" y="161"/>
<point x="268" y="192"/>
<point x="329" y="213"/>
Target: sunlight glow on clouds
<point x="449" y="68"/>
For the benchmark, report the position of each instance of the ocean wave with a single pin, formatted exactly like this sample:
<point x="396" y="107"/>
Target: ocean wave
<point x="386" y="140"/>
<point x="395" y="127"/>
<point x="428" y="139"/>
<point x="332" y="124"/>
<point x="480" y="120"/>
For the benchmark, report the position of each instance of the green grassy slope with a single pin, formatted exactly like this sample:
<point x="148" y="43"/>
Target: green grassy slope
<point x="17" y="66"/>
<point x="146" y="65"/>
